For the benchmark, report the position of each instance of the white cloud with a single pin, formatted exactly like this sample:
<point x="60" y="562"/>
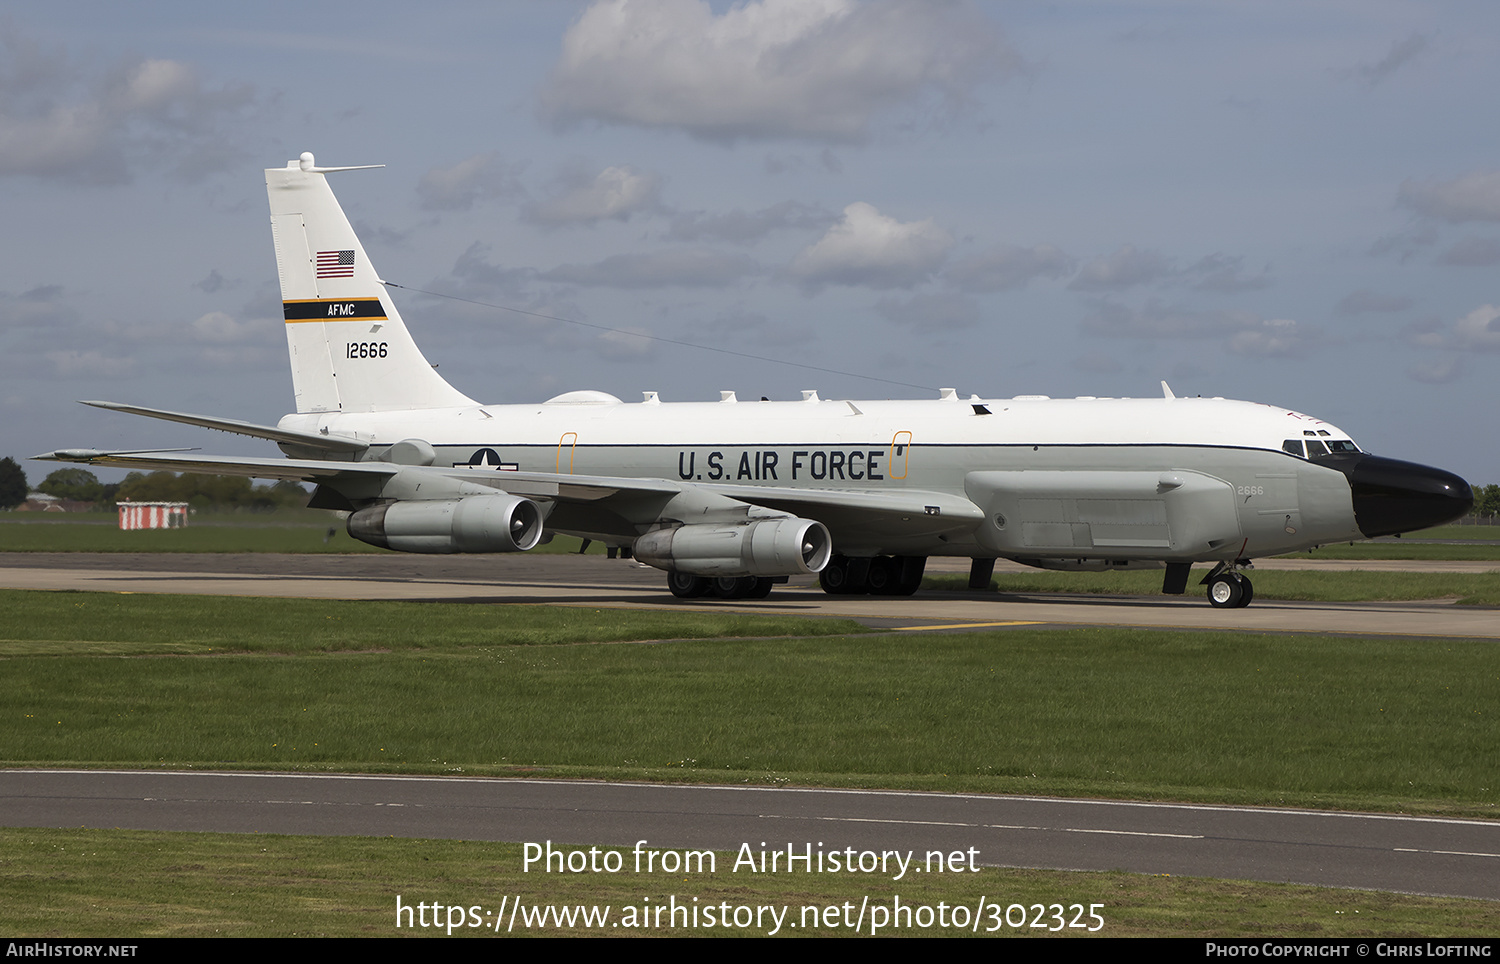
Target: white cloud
<point x="1098" y="362"/>
<point x="1364" y="300"/>
<point x="1472" y="253"/>
<point x="737" y="324"/>
<point x="1157" y="320"/>
<point x="239" y="358"/>
<point x="1243" y="332"/>
<point x="774" y="68"/>
<point x="683" y="267"/>
<point x="927" y="312"/>
<point x="1273" y="338"/>
<point x="457" y="188"/>
<point x="475" y="271"/>
<point x="1222" y="272"/>
<point x="219" y="327"/>
<point x="615" y="193"/>
<point x="1126" y="267"/>
<point x="214" y="282"/>
<point x="57" y="123"/>
<point x="72" y="363"/>
<point x="1007" y="266"/>
<point x="867" y="248"/>
<point x="625" y="343"/>
<point x="1479" y="329"/>
<point x="1437" y="371"/>
<point x="42" y="309"/>
<point x="1401" y="53"/>
<point x="152" y="85"/>
<point x="1472" y="197"/>
<point x="742" y="227"/>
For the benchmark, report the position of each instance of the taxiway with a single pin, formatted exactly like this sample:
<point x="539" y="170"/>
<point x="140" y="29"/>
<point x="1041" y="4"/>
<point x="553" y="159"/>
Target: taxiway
<point x="596" y="581"/>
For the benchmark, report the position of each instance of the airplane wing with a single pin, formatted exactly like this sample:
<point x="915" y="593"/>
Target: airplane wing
<point x="603" y="504"/>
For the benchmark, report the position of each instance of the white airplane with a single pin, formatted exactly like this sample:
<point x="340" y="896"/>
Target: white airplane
<point x="731" y="496"/>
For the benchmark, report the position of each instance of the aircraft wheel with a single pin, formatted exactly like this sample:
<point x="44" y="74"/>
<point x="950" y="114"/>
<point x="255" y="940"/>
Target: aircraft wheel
<point x="835" y="578"/>
<point x="762" y="589"/>
<point x="910" y="569"/>
<point x="686" y="586"/>
<point x="882" y="578"/>
<point x="1227" y="591"/>
<point x="1249" y="592"/>
<point x="895" y="575"/>
<point x="735" y="587"/>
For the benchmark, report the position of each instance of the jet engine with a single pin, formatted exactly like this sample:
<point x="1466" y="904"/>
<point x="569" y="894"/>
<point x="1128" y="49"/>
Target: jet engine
<point x="478" y="523"/>
<point x="766" y="547"/>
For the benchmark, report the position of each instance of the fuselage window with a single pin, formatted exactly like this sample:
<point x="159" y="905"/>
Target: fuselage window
<point x="1292" y="446"/>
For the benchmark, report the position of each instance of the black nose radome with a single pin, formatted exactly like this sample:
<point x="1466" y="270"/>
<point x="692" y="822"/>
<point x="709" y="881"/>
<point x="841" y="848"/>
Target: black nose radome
<point x="1391" y="496"/>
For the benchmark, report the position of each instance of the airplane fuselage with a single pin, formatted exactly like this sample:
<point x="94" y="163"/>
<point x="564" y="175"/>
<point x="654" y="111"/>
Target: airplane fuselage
<point x="1138" y="481"/>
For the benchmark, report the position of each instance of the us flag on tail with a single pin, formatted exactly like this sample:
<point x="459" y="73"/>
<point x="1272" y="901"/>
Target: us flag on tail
<point x="335" y="264"/>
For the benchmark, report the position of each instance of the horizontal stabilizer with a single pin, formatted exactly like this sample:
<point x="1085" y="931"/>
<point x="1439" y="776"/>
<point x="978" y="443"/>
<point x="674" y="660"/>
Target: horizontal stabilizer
<point x="306" y="470"/>
<point x="539" y="485"/>
<point x="332" y="444"/>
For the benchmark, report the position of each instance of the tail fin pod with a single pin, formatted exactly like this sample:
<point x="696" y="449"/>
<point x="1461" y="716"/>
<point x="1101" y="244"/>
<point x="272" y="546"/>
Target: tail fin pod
<point x="350" y="350"/>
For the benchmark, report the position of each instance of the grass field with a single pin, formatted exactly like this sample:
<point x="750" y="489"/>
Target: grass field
<point x="163" y="681"/>
<point x="101" y="679"/>
<point x="120" y="883"/>
<point x="1464" y="543"/>
<point x="1403" y="549"/>
<point x="1464" y="532"/>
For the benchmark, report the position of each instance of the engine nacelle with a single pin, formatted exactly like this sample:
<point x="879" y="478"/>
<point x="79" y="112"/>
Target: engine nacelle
<point x="478" y="523"/>
<point x="767" y="547"/>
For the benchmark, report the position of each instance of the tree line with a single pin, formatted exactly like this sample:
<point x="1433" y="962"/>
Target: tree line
<point x="199" y="491"/>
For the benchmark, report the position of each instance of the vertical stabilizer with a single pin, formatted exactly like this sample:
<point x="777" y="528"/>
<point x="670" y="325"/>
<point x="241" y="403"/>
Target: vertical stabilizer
<point x="350" y="351"/>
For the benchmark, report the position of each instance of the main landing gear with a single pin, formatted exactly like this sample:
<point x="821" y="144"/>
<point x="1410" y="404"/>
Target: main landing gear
<point x="1228" y="588"/>
<point x="687" y="586"/>
<point x="878" y="576"/>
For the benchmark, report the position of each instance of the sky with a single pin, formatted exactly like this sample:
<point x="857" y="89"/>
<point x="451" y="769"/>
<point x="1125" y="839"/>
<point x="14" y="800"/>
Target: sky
<point x="1291" y="203"/>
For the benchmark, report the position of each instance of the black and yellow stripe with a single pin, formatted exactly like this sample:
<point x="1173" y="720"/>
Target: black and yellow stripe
<point x="333" y="309"/>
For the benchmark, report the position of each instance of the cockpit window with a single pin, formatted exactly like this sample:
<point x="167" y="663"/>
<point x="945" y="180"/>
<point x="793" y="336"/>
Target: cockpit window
<point x="1315" y="448"/>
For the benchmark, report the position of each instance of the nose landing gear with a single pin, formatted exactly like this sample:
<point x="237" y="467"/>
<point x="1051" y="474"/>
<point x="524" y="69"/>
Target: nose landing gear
<point x="1228" y="588"/>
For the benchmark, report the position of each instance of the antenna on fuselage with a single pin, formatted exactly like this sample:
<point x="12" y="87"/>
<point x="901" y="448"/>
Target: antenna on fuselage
<point x="1166" y="390"/>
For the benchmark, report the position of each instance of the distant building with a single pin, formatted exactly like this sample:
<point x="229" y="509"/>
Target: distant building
<point x="153" y="515"/>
